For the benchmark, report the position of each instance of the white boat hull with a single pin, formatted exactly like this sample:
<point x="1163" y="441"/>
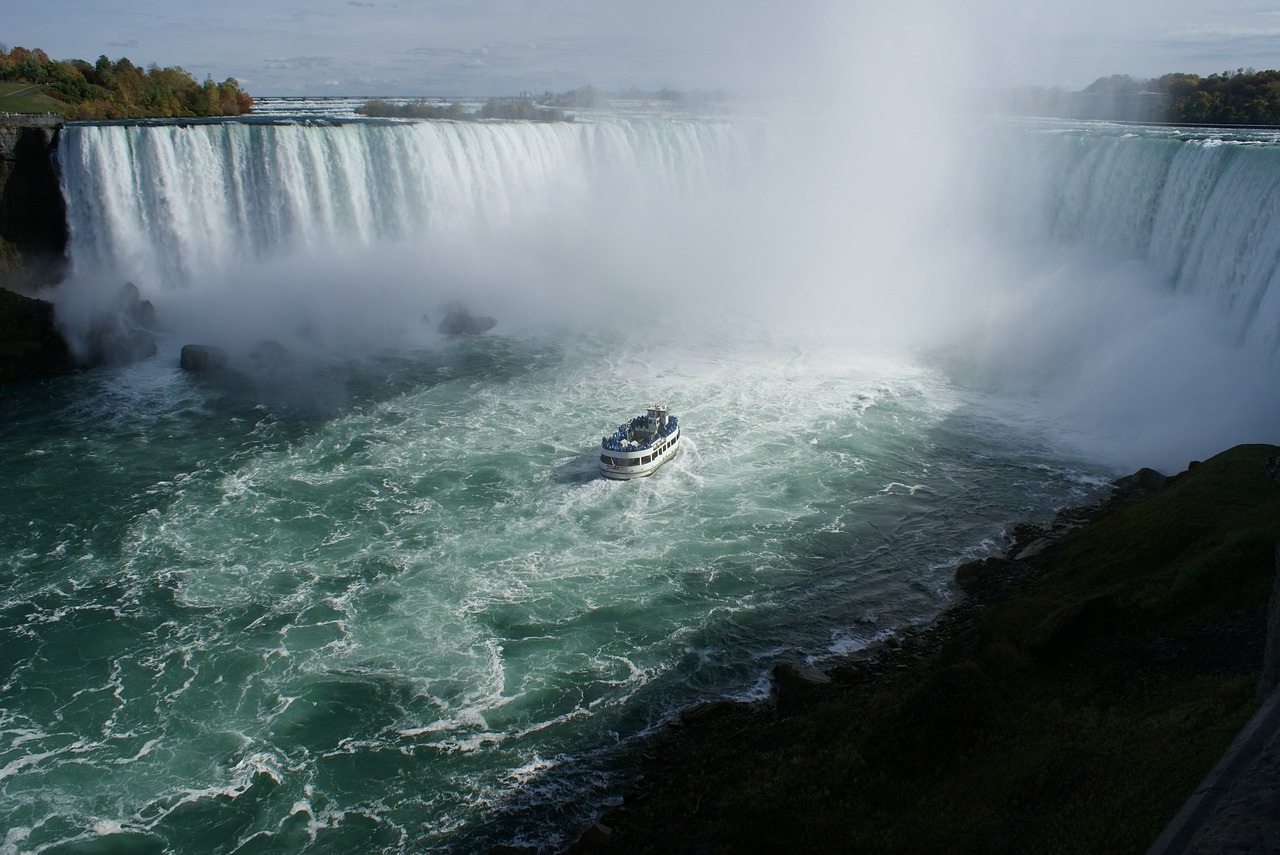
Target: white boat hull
<point x="625" y="465"/>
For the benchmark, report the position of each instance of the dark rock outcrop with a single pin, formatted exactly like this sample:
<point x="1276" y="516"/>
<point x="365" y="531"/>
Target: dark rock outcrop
<point x="30" y="344"/>
<point x="1144" y="480"/>
<point x="269" y="356"/>
<point x="459" y="321"/>
<point x="203" y="357"/>
<point x="123" y="332"/>
<point x="973" y="576"/>
<point x="268" y="359"/>
<point x="796" y="686"/>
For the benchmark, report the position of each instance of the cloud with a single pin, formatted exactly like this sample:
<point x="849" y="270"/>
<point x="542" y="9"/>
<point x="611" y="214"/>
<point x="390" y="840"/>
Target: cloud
<point x="729" y="44"/>
<point x="1207" y="36"/>
<point x="279" y="63"/>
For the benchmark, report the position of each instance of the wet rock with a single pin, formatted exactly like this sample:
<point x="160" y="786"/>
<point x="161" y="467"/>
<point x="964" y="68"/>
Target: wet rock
<point x="1033" y="549"/>
<point x="138" y="310"/>
<point x="969" y="575"/>
<point x="30" y="344"/>
<point x="458" y="321"/>
<point x="597" y="836"/>
<point x="203" y="357"/>
<point x="706" y="711"/>
<point x="115" y="343"/>
<point x="268" y="356"/>
<point x="796" y="686"/>
<point x="122" y="332"/>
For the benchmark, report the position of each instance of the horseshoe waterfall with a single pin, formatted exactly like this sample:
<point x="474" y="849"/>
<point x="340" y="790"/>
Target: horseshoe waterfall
<point x="363" y="588"/>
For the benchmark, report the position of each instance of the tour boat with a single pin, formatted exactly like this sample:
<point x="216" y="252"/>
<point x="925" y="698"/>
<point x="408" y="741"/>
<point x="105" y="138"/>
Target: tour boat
<point x="638" y="447"/>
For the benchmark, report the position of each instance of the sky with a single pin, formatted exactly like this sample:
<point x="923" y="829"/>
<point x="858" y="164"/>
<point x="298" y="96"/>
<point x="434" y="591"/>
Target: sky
<point x="502" y="47"/>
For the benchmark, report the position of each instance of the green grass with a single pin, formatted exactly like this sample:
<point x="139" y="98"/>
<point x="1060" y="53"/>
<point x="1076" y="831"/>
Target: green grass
<point x="1074" y="712"/>
<point x="30" y="101"/>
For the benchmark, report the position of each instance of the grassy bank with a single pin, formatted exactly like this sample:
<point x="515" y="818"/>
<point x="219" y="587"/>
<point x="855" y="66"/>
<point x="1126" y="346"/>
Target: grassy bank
<point x="1071" y="703"/>
<point x="22" y="97"/>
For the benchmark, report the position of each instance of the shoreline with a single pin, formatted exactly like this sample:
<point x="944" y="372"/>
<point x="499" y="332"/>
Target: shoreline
<point x="704" y="777"/>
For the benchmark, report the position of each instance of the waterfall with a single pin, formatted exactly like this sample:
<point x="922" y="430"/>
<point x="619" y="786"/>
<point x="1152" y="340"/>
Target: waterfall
<point x="342" y="230"/>
<point x="1204" y="211"/>
<point x="169" y="205"/>
<point x="1124" y="279"/>
<point x="165" y="204"/>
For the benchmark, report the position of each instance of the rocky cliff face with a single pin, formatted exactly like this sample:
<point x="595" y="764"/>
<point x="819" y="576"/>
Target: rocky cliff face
<point x="33" y="241"/>
<point x="33" y="215"/>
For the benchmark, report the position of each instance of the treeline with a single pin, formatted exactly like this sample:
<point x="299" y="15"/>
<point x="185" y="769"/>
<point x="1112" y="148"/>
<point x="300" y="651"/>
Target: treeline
<point x="589" y="96"/>
<point x="122" y="90"/>
<point x="1244" y="97"/>
<point x="420" y="109"/>
<point x="1241" y="97"/>
<point x="523" y="108"/>
<point x="547" y="107"/>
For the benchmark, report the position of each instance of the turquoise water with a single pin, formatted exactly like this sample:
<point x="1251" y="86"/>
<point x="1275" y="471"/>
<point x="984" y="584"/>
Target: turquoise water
<point x="386" y="603"/>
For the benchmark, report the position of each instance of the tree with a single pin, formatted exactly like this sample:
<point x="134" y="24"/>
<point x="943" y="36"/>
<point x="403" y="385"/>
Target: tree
<point x="121" y="90"/>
